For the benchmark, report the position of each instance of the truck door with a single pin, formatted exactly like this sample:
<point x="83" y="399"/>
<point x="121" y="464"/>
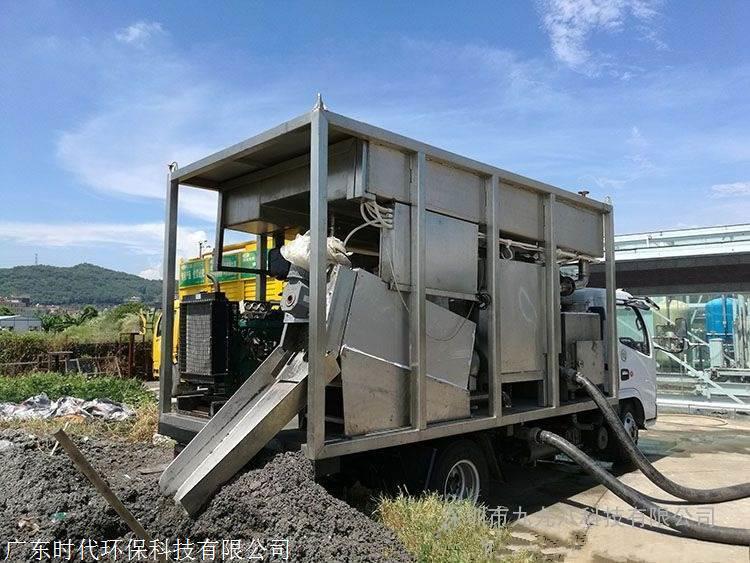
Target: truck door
<point x="637" y="362"/>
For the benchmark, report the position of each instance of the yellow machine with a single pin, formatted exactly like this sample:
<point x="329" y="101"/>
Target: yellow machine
<point x="236" y="286"/>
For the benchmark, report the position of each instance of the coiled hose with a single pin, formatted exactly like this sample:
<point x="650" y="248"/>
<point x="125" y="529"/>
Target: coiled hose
<point x="697" y="496"/>
<point x="690" y="528"/>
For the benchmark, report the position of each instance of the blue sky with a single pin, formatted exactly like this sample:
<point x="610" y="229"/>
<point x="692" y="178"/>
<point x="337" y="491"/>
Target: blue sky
<point x="645" y="101"/>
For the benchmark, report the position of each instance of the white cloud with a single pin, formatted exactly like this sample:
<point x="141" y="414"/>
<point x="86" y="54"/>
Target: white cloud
<point x="151" y="273"/>
<point x="731" y="190"/>
<point x="570" y="24"/>
<point x="139" y="33"/>
<point x="144" y="239"/>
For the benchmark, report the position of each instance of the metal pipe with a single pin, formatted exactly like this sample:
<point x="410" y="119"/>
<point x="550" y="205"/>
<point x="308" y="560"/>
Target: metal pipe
<point x="707" y="496"/>
<point x="583" y="274"/>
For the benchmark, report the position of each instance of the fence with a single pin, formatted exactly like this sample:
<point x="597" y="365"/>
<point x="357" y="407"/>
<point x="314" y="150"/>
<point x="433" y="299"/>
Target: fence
<point x="124" y="359"/>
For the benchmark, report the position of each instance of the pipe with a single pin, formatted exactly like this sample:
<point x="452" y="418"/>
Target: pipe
<point x="689" y="528"/>
<point x="698" y="496"/>
<point x="583" y="274"/>
<point x="214" y="281"/>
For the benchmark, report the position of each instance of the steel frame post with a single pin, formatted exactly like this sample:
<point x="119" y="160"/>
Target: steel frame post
<point x="168" y="291"/>
<point x="261" y="279"/>
<point x="418" y="306"/>
<point x="610" y="282"/>
<point x="493" y="287"/>
<point x="218" y="254"/>
<point x="318" y="237"/>
<point x="552" y="391"/>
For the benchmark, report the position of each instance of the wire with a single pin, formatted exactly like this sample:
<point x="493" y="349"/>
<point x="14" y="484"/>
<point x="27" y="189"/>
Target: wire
<point x="374" y="215"/>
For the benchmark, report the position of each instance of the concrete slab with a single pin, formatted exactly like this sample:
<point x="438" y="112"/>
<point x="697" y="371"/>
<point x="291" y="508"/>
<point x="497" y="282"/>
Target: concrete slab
<point x="697" y="451"/>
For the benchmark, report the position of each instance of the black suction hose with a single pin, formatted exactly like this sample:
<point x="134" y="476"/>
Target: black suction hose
<point x="689" y="528"/>
<point x="697" y="496"/>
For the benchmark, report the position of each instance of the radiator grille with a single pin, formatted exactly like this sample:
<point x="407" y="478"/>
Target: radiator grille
<point x="205" y="334"/>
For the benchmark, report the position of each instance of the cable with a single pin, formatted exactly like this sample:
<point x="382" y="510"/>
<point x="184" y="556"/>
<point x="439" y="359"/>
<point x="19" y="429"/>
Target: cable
<point x="690" y="528"/>
<point x="699" y="496"/>
<point x="374" y="215"/>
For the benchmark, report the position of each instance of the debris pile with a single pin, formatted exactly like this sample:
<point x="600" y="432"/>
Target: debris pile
<point x="41" y="406"/>
<point x="43" y="497"/>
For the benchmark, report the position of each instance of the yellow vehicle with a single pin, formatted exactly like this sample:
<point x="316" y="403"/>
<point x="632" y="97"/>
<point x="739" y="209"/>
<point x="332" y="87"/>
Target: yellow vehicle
<point x="236" y="286"/>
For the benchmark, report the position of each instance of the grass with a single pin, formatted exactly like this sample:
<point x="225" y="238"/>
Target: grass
<point x="139" y="428"/>
<point x="441" y="531"/>
<point x="14" y="389"/>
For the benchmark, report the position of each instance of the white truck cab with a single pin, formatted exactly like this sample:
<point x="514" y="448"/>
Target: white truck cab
<point x="636" y="353"/>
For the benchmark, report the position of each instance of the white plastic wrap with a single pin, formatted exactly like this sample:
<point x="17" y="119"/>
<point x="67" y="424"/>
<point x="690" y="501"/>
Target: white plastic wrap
<point x="40" y="406"/>
<point x="297" y="251"/>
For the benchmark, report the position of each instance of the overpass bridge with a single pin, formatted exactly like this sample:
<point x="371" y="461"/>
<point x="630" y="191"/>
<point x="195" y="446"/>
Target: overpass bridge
<point x="684" y="261"/>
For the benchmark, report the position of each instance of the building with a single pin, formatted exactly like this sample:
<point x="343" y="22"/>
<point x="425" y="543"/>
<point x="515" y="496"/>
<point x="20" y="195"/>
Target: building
<point x="19" y="323"/>
<point x="699" y="278"/>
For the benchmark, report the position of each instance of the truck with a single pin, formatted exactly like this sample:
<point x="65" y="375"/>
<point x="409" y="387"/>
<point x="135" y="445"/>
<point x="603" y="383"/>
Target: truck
<point x="435" y="310"/>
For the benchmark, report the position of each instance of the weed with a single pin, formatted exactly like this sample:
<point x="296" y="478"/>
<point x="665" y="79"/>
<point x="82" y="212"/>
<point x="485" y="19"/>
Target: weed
<point x="14" y="389"/>
<point x="433" y="529"/>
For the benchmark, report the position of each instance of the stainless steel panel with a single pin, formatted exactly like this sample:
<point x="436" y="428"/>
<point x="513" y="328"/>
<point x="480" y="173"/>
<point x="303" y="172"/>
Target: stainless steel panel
<point x="579" y="229"/>
<point x="522" y="317"/>
<point x="455" y="191"/>
<point x="338" y="299"/>
<point x="582" y="327"/>
<point x="448" y="189"/>
<point x="590" y="359"/>
<point x="388" y="172"/>
<point x="378" y="325"/>
<point x="451" y="253"/>
<point x="243" y="202"/>
<point x="376" y="395"/>
<point x="521" y="212"/>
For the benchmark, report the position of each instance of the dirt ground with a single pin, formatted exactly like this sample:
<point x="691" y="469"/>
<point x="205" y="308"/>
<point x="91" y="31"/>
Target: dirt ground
<point x="272" y="511"/>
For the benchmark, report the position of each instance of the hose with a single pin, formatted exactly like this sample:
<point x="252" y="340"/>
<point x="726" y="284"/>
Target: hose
<point x="689" y="528"/>
<point x="697" y="496"/>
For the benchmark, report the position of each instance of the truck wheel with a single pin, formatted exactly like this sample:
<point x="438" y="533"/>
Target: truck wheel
<point x="630" y="422"/>
<point x="460" y="472"/>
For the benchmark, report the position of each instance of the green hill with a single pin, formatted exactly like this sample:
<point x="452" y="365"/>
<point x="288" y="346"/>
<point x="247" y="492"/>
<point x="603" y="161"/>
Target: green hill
<point x="82" y="284"/>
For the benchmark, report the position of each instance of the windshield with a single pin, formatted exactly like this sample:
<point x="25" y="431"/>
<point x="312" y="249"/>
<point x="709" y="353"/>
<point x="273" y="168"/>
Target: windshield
<point x="631" y="330"/>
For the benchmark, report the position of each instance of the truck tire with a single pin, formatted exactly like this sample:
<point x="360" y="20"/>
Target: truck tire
<point x="460" y="472"/>
<point x="629" y="419"/>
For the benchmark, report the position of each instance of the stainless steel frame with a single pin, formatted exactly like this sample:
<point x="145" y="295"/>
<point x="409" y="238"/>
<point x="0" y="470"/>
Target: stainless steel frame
<point x="324" y="127"/>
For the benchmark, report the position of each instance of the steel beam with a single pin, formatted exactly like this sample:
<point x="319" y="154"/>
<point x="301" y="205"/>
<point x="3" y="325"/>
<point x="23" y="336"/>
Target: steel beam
<point x="613" y="361"/>
<point x="167" y="298"/>
<point x="418" y="306"/>
<point x="318" y="238"/>
<point x="552" y="281"/>
<point x="444" y="429"/>
<point x="493" y="287"/>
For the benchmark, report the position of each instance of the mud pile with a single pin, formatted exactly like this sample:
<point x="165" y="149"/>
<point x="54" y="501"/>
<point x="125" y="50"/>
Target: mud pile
<point x="43" y="497"/>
